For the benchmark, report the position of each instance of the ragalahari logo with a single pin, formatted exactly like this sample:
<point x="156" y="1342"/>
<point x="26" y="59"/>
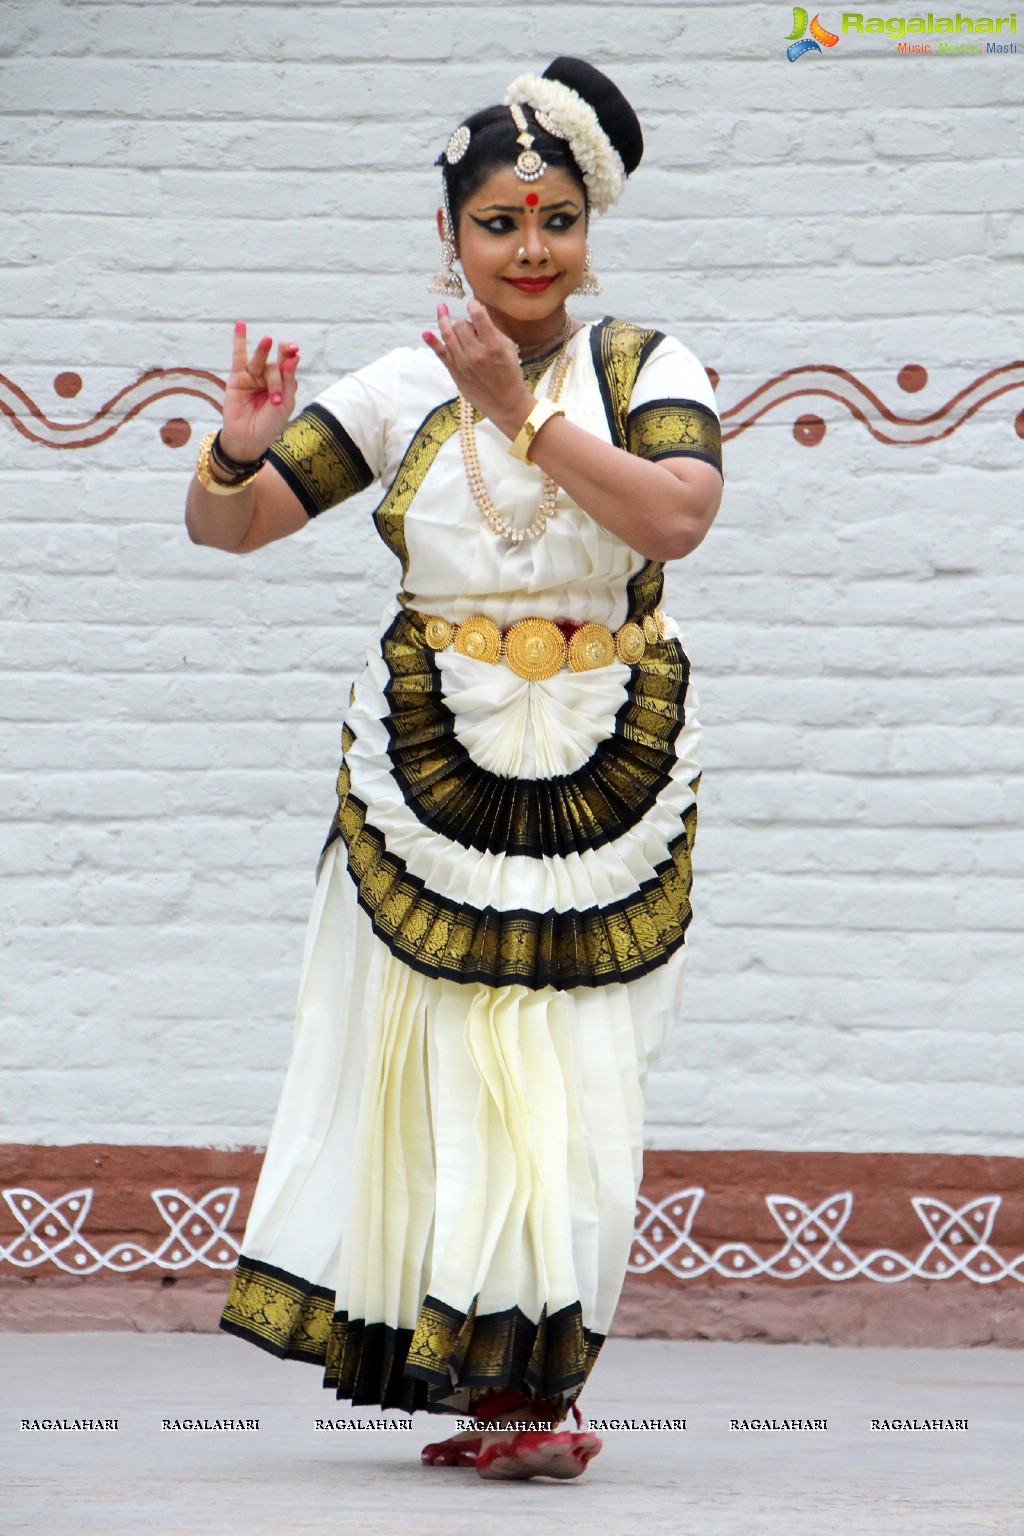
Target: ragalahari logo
<point x="800" y="45"/>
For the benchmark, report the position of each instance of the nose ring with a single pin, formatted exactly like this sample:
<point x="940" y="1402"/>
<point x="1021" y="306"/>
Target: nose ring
<point x="521" y="253"/>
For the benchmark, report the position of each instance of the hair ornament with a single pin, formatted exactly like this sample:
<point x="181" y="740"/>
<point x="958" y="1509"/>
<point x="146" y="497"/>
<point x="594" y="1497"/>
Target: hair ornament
<point x="457" y="145"/>
<point x="530" y="166"/>
<point x="548" y="123"/>
<point x="563" y="112"/>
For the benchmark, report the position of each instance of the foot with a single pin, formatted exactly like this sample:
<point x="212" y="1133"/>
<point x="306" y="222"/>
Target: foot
<point x="457" y="1451"/>
<point x="536" y="1453"/>
<point x="461" y="1450"/>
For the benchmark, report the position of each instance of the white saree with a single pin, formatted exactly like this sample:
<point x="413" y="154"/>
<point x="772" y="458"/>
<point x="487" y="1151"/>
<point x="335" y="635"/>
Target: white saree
<point x="496" y="952"/>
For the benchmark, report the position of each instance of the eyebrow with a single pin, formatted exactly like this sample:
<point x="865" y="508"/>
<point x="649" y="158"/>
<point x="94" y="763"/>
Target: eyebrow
<point x="566" y="202"/>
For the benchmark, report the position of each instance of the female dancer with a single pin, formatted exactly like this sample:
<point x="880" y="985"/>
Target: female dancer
<point x="445" y="1209"/>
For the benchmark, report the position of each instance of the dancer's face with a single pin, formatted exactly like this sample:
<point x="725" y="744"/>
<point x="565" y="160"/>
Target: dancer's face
<point x="523" y="245"/>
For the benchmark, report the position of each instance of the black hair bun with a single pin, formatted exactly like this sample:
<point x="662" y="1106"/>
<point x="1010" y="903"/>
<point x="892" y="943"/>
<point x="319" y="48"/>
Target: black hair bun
<point x="614" y="112"/>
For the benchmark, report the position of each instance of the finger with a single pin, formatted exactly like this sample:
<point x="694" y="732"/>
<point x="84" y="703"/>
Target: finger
<point x="446" y="326"/>
<point x="464" y="345"/>
<point x="239" y="355"/>
<point x="258" y="362"/>
<point x="485" y="326"/>
<point x="436" y="346"/>
<point x="482" y="322"/>
<point x="487" y="332"/>
<point x="466" y="332"/>
<point x="477" y="333"/>
<point x="272" y="381"/>
<point x="288" y="362"/>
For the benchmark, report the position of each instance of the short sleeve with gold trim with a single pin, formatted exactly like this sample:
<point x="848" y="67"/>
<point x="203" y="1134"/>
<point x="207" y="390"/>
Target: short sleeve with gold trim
<point x="672" y="411"/>
<point x="337" y="445"/>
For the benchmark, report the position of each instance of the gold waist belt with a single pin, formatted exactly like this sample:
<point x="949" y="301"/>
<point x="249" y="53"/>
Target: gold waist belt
<point x="538" y="648"/>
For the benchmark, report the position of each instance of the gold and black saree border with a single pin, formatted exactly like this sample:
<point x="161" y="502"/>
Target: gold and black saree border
<point x="318" y="459"/>
<point x="389" y="515"/>
<point x="551" y="1357"/>
<point x="448" y="1363"/>
<point x="619" y="350"/>
<point x="663" y="429"/>
<point x="280" y="1312"/>
<point x="438" y="937"/>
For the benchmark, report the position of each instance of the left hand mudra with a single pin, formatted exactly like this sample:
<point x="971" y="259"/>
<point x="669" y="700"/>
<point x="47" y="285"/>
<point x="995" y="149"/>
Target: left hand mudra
<point x="484" y="365"/>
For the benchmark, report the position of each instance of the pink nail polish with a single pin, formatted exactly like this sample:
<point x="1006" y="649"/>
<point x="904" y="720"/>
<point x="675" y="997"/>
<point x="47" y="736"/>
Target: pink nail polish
<point x="276" y="397"/>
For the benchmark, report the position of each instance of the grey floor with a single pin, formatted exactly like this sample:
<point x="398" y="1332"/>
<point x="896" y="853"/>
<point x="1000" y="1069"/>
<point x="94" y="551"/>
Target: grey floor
<point x="289" y="1480"/>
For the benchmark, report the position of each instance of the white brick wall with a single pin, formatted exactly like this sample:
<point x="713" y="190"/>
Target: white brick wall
<point x="171" y="714"/>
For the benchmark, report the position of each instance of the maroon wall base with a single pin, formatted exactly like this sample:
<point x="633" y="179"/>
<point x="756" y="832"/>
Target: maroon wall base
<point x="916" y="1314"/>
<point x="846" y="1248"/>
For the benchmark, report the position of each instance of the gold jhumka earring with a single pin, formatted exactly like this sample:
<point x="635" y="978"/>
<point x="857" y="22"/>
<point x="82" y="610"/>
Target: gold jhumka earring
<point x="447" y="281"/>
<point x="589" y="283"/>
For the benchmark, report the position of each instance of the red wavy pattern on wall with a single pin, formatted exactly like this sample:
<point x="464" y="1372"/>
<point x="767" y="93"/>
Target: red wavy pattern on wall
<point x="807" y="383"/>
<point x="28" y="418"/>
<point x="884" y="424"/>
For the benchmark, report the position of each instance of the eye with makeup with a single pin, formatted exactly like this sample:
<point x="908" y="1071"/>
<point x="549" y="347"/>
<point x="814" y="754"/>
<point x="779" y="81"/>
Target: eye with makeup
<point x="503" y="224"/>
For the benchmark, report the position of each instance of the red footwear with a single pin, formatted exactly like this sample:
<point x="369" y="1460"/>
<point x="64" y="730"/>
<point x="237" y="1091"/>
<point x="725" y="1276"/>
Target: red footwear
<point x="451" y="1453"/>
<point x="538" y="1453"/>
<point x="456" y="1452"/>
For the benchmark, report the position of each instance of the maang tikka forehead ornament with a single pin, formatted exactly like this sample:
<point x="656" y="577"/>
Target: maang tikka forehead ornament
<point x="529" y="166"/>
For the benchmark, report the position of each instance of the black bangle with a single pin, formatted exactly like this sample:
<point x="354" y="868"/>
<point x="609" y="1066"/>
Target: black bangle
<point x="234" y="466"/>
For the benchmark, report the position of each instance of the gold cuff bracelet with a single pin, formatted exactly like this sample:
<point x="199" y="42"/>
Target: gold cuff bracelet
<point x="542" y="412"/>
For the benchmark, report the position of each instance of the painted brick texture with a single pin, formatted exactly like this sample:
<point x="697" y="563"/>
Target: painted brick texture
<point x="171" y="714"/>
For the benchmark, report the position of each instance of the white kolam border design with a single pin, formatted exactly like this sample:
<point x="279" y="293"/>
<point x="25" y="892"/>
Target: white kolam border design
<point x="956" y="1241"/>
<point x="52" y="1233"/>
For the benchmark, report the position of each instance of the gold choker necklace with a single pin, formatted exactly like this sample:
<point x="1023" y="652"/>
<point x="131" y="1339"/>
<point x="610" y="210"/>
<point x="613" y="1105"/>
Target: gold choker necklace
<point x="471" y="460"/>
<point x="538" y="348"/>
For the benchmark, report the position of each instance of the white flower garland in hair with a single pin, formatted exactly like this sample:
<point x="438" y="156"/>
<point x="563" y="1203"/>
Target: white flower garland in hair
<point x="575" y="120"/>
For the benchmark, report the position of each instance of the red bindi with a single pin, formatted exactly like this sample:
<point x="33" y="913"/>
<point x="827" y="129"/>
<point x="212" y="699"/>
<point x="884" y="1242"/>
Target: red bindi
<point x="532" y="199"/>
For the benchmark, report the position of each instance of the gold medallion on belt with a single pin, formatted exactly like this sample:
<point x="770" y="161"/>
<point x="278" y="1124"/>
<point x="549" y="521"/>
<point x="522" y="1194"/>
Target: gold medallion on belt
<point x="593" y="645"/>
<point x="478" y="637"/>
<point x="438" y="632"/>
<point x="535" y="648"/>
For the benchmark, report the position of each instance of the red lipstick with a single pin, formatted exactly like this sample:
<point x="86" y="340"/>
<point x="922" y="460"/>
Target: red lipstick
<point x="530" y="284"/>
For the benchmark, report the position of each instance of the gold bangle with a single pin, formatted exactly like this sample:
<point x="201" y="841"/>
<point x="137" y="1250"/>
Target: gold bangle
<point x="542" y="412"/>
<point x="206" y="477"/>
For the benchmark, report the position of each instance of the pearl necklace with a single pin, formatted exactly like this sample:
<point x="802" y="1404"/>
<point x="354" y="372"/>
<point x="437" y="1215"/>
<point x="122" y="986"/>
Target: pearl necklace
<point x="471" y="461"/>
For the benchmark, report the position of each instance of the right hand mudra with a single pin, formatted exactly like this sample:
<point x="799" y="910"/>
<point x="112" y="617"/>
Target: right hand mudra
<point x="259" y="397"/>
